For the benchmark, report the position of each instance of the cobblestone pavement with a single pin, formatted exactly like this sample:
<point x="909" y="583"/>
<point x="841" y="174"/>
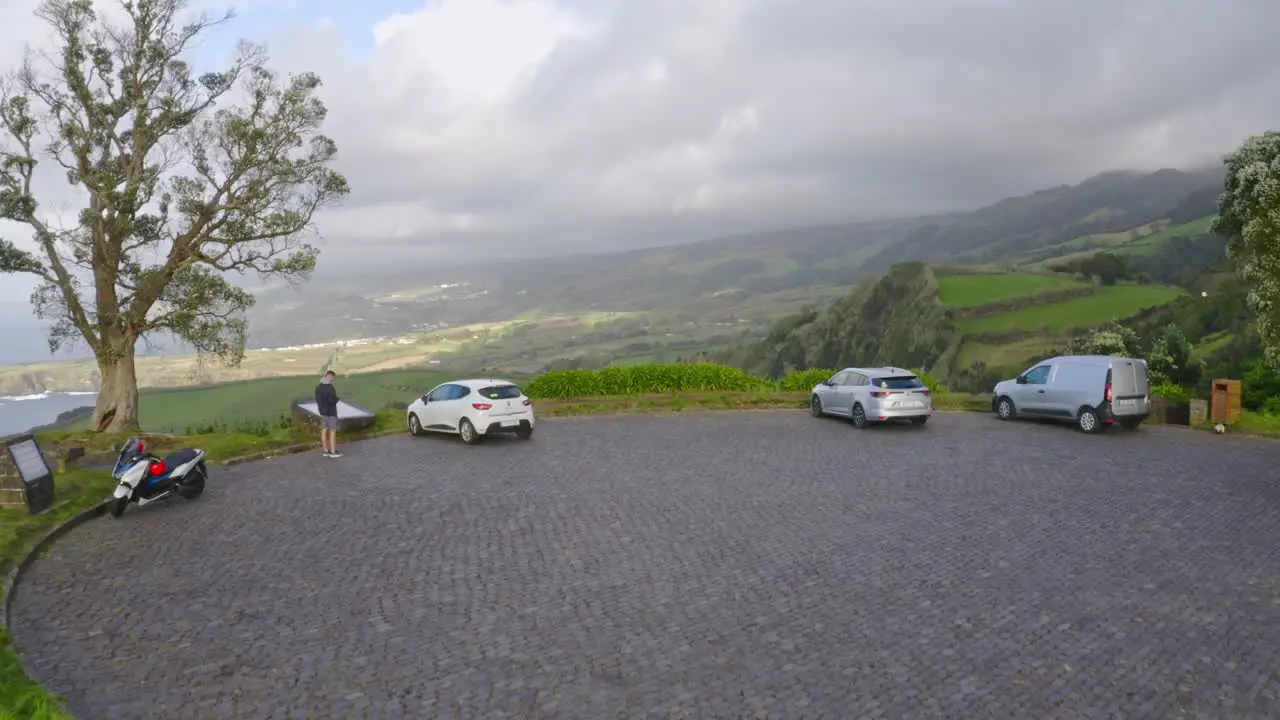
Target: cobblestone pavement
<point x="711" y="565"/>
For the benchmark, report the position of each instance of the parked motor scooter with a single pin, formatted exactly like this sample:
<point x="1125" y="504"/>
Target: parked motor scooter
<point x="145" y="478"/>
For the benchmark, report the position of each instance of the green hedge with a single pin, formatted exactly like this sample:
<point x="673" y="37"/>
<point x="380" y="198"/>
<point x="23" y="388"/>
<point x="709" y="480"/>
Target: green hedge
<point x="677" y="378"/>
<point x="642" y="380"/>
<point x="804" y="380"/>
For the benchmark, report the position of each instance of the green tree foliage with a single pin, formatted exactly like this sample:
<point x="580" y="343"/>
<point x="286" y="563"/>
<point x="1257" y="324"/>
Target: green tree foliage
<point x="1108" y="267"/>
<point x="1167" y="351"/>
<point x="1249" y="217"/>
<point x="895" y="320"/>
<point x="179" y="189"/>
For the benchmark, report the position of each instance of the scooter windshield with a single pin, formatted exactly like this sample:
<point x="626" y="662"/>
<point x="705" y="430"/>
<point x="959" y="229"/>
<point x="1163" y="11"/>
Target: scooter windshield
<point x="129" y="453"/>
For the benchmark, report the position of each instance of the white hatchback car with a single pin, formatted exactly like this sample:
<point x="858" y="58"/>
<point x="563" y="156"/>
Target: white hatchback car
<point x="473" y="410"/>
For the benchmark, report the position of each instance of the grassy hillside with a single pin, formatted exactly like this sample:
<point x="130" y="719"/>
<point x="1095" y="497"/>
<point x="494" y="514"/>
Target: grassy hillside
<point x="1100" y="306"/>
<point x="973" y="290"/>
<point x="960" y="324"/>
<point x="1110" y="203"/>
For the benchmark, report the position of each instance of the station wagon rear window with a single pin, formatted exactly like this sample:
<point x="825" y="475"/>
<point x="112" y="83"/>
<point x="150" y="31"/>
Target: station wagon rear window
<point x="501" y="392"/>
<point x="905" y="382"/>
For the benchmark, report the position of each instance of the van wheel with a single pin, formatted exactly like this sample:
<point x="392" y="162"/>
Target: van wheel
<point x="1088" y="421"/>
<point x="1005" y="409"/>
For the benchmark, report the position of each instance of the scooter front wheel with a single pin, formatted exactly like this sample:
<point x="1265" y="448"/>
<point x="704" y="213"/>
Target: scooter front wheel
<point x="117" y="507"/>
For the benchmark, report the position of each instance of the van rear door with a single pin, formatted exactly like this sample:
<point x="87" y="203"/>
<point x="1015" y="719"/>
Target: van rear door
<point x="1129" y="387"/>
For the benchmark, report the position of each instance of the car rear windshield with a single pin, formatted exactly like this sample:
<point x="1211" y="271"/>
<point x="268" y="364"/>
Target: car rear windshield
<point x="905" y="382"/>
<point x="501" y="392"/>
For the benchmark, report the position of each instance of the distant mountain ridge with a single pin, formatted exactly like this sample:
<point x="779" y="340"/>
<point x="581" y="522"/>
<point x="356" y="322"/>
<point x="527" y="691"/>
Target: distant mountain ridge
<point x="733" y="268"/>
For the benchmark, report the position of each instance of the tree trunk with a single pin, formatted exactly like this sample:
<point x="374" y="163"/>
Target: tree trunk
<point x="117" y="408"/>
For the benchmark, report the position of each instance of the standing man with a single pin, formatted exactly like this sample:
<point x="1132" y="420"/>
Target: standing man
<point x="327" y="407"/>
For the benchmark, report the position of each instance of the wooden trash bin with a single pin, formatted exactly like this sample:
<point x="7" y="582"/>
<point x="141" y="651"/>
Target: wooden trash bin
<point x="1226" y="402"/>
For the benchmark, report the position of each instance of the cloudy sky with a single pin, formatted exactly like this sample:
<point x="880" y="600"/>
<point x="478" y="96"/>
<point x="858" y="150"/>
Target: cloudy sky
<point x="469" y="127"/>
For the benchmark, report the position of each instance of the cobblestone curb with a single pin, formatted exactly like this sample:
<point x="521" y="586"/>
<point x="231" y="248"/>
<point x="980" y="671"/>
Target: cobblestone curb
<point x="15" y="575"/>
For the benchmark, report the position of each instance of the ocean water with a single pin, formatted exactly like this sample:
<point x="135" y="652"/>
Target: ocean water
<point x="20" y="414"/>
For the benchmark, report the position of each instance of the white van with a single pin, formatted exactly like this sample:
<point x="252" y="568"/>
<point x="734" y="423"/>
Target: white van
<point x="1091" y="391"/>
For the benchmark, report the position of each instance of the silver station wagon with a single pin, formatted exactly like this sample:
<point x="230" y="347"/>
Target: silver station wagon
<point x="873" y="395"/>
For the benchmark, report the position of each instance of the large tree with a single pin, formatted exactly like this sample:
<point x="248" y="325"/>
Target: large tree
<point x="1249" y="218"/>
<point x="177" y="190"/>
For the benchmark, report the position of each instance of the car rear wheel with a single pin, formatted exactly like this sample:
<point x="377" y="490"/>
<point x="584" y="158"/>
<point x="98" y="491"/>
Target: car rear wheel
<point x="467" y="432"/>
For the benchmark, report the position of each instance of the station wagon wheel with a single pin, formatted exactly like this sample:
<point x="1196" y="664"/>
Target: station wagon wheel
<point x="1088" y="421"/>
<point x="1005" y="409"/>
<point x="859" y="417"/>
<point x="815" y="406"/>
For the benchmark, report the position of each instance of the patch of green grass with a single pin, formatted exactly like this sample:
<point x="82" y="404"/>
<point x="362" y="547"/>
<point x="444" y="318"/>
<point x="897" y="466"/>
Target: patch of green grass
<point x="1152" y="242"/>
<point x="1257" y="422"/>
<point x="1120" y="301"/>
<point x="1012" y="355"/>
<point x="970" y="291"/>
<point x="250" y="402"/>
<point x="1210" y="344"/>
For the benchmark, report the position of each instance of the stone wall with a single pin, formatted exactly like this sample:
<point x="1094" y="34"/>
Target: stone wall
<point x="12" y="491"/>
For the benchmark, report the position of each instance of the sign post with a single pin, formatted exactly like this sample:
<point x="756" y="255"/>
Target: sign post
<point x="37" y="478"/>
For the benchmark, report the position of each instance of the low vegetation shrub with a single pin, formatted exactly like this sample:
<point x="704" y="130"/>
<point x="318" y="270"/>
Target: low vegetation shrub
<point x="256" y="428"/>
<point x="642" y="379"/>
<point x="804" y="380"/>
<point x="930" y="382"/>
<point x="1171" y="392"/>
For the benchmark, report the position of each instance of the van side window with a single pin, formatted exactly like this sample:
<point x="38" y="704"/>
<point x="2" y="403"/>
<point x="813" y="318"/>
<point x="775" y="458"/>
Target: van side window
<point x="1038" y="376"/>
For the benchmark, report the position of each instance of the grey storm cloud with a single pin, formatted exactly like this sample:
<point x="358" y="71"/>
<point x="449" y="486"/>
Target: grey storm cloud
<point x="549" y="125"/>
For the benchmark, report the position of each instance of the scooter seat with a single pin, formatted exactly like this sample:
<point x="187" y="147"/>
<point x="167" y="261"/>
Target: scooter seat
<point x="178" y="457"/>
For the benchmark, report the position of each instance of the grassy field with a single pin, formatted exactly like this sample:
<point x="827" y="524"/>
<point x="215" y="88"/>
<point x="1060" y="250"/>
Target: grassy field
<point x="1119" y="301"/>
<point x="971" y="291"/>
<point x="187" y="410"/>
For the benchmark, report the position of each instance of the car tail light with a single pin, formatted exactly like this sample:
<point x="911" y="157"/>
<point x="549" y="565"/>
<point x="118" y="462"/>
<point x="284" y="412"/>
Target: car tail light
<point x="527" y="401"/>
<point x="1108" y="396"/>
<point x="158" y="468"/>
<point x="481" y="406"/>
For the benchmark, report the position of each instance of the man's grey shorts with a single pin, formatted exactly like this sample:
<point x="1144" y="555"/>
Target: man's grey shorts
<point x="328" y="422"/>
